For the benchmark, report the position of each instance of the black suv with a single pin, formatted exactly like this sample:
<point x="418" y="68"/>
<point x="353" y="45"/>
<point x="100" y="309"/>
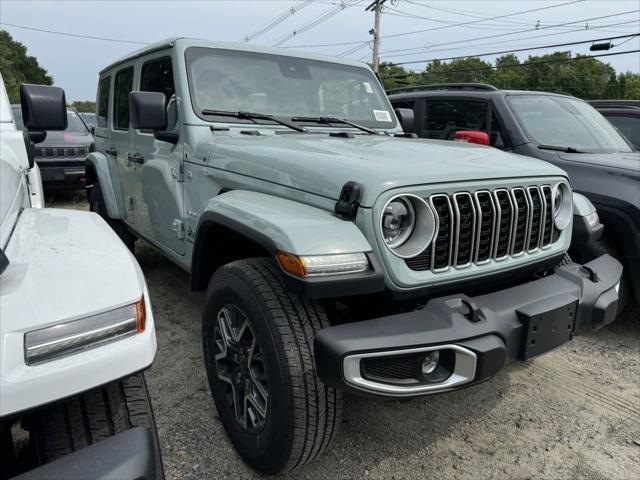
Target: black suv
<point x="625" y="116"/>
<point x="61" y="156"/>
<point x="561" y="129"/>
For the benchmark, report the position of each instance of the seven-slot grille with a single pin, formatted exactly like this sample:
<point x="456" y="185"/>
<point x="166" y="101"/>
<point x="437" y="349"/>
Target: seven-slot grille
<point x="62" y="152"/>
<point x="483" y="226"/>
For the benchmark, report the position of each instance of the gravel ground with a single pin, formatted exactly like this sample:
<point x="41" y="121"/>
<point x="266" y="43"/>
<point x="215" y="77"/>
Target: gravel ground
<point x="574" y="413"/>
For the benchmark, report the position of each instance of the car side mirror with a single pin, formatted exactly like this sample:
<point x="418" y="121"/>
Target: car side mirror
<point x="43" y="108"/>
<point x="148" y="111"/>
<point x="406" y="118"/>
<point x="472" y="136"/>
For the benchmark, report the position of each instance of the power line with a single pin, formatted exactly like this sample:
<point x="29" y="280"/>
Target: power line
<point x="277" y="20"/>
<point x="515" y="65"/>
<point x="444" y="26"/>
<point x="430" y="50"/>
<point x="77" y="35"/>
<point x="521" y="49"/>
<point x="317" y="21"/>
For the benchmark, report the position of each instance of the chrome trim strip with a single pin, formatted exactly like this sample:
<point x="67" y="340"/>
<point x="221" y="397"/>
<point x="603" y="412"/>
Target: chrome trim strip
<point x="536" y="189"/>
<point x="464" y="372"/>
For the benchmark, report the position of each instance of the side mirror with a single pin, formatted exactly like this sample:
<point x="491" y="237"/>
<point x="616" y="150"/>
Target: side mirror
<point x="406" y="118"/>
<point x="472" y="136"/>
<point x="43" y="108"/>
<point x="148" y="110"/>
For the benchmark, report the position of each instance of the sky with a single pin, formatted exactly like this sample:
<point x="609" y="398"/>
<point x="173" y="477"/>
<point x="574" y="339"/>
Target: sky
<point x="411" y="30"/>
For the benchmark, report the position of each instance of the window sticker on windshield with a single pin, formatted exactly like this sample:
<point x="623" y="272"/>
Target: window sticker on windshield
<point x="367" y="87"/>
<point x="382" y="115"/>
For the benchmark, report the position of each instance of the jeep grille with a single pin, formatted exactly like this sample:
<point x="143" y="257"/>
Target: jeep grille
<point x="477" y="227"/>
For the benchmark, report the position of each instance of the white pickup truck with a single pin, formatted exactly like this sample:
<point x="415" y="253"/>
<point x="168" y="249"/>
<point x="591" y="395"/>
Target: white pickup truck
<point x="76" y="327"/>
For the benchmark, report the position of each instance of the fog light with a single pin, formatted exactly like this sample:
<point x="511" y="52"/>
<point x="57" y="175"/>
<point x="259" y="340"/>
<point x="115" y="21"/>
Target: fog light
<point x="430" y="362"/>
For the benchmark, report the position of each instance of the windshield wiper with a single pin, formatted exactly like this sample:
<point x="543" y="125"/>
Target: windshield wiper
<point x="559" y="149"/>
<point x="254" y="116"/>
<point x="328" y="120"/>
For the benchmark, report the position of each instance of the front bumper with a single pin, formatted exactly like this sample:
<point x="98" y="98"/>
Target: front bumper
<point x="126" y="456"/>
<point x="477" y="335"/>
<point x="63" y="174"/>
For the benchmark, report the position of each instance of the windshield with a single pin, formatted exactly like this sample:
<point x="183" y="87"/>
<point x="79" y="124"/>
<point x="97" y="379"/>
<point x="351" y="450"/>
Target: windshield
<point x="74" y="123"/>
<point x="285" y="87"/>
<point x="566" y="122"/>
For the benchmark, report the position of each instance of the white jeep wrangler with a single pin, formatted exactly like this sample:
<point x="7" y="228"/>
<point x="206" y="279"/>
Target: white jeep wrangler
<point x="76" y="328"/>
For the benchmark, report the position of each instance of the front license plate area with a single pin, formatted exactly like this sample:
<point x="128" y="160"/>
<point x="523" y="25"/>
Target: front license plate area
<point x="546" y="330"/>
<point x="49" y="174"/>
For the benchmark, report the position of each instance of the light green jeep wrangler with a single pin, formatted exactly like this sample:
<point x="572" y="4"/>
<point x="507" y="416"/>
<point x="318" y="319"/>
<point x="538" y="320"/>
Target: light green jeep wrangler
<point x="338" y="254"/>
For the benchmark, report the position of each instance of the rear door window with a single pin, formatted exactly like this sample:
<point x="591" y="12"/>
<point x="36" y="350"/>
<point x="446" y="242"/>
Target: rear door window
<point x="103" y="101"/>
<point x="122" y="87"/>
<point x="444" y="117"/>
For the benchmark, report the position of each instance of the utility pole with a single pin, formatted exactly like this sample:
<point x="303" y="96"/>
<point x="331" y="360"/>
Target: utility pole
<point x="376" y="7"/>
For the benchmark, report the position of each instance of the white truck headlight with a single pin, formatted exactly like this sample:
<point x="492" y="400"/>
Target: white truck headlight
<point x="322" y="265"/>
<point x="407" y="224"/>
<point x="64" y="339"/>
<point x="562" y="205"/>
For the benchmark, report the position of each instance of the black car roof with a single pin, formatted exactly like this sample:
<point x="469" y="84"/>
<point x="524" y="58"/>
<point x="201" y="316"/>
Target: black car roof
<point x="462" y="90"/>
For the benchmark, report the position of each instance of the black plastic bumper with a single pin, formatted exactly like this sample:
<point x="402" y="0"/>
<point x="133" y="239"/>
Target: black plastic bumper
<point x="516" y="323"/>
<point x="126" y="456"/>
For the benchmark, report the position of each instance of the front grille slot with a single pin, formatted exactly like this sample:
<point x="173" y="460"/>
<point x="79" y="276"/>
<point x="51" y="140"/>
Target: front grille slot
<point x="537" y="218"/>
<point x="520" y="227"/>
<point x="504" y="206"/>
<point x="477" y="227"/>
<point x="465" y="223"/>
<point x="441" y="251"/>
<point x="548" y="216"/>
<point x="486" y="212"/>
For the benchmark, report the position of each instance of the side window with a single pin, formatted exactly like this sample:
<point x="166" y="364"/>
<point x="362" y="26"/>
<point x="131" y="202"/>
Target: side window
<point x="627" y="125"/>
<point x="404" y="104"/>
<point x="157" y="76"/>
<point x="103" y="101"/>
<point x="122" y="87"/>
<point x="443" y="117"/>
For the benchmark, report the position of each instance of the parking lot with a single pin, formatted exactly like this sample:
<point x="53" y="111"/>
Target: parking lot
<point x="574" y="413"/>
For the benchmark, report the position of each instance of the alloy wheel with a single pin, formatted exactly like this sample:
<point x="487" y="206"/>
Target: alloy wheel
<point x="241" y="367"/>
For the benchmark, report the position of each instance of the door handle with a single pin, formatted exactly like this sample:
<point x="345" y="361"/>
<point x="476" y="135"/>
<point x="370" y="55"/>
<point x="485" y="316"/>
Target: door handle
<point x="110" y="151"/>
<point x="136" y="158"/>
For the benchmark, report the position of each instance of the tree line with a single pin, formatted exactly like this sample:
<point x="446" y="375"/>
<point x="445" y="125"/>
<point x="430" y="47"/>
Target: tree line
<point x="580" y="76"/>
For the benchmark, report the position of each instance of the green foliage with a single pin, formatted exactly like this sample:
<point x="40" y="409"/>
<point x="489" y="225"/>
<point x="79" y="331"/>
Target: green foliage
<point x="84" y="106"/>
<point x="17" y="67"/>
<point x="588" y="78"/>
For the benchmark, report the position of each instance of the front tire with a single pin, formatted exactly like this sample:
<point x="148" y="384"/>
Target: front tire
<point x="69" y="425"/>
<point x="248" y="314"/>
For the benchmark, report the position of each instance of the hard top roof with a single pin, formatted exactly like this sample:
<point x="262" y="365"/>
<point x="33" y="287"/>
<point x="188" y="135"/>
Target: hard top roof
<point x="185" y="42"/>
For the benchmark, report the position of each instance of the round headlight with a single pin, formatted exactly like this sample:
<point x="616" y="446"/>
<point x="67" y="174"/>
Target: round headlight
<point x="408" y="225"/>
<point x="562" y="205"/>
<point x="398" y="221"/>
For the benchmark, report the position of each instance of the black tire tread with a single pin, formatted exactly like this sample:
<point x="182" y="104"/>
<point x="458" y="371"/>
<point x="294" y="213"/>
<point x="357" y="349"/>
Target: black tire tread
<point x="317" y="408"/>
<point x="97" y="205"/>
<point x="90" y="417"/>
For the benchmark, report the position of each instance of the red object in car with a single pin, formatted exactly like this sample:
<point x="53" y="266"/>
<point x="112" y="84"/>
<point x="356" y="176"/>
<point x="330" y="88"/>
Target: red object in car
<point x="472" y="136"/>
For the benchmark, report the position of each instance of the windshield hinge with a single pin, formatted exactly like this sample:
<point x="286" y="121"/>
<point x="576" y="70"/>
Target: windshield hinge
<point x="348" y="201"/>
<point x="178" y="173"/>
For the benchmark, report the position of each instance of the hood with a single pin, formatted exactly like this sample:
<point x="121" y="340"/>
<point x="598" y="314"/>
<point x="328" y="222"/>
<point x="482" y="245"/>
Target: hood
<point x="622" y="160"/>
<point x="321" y="164"/>
<point x="59" y="138"/>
